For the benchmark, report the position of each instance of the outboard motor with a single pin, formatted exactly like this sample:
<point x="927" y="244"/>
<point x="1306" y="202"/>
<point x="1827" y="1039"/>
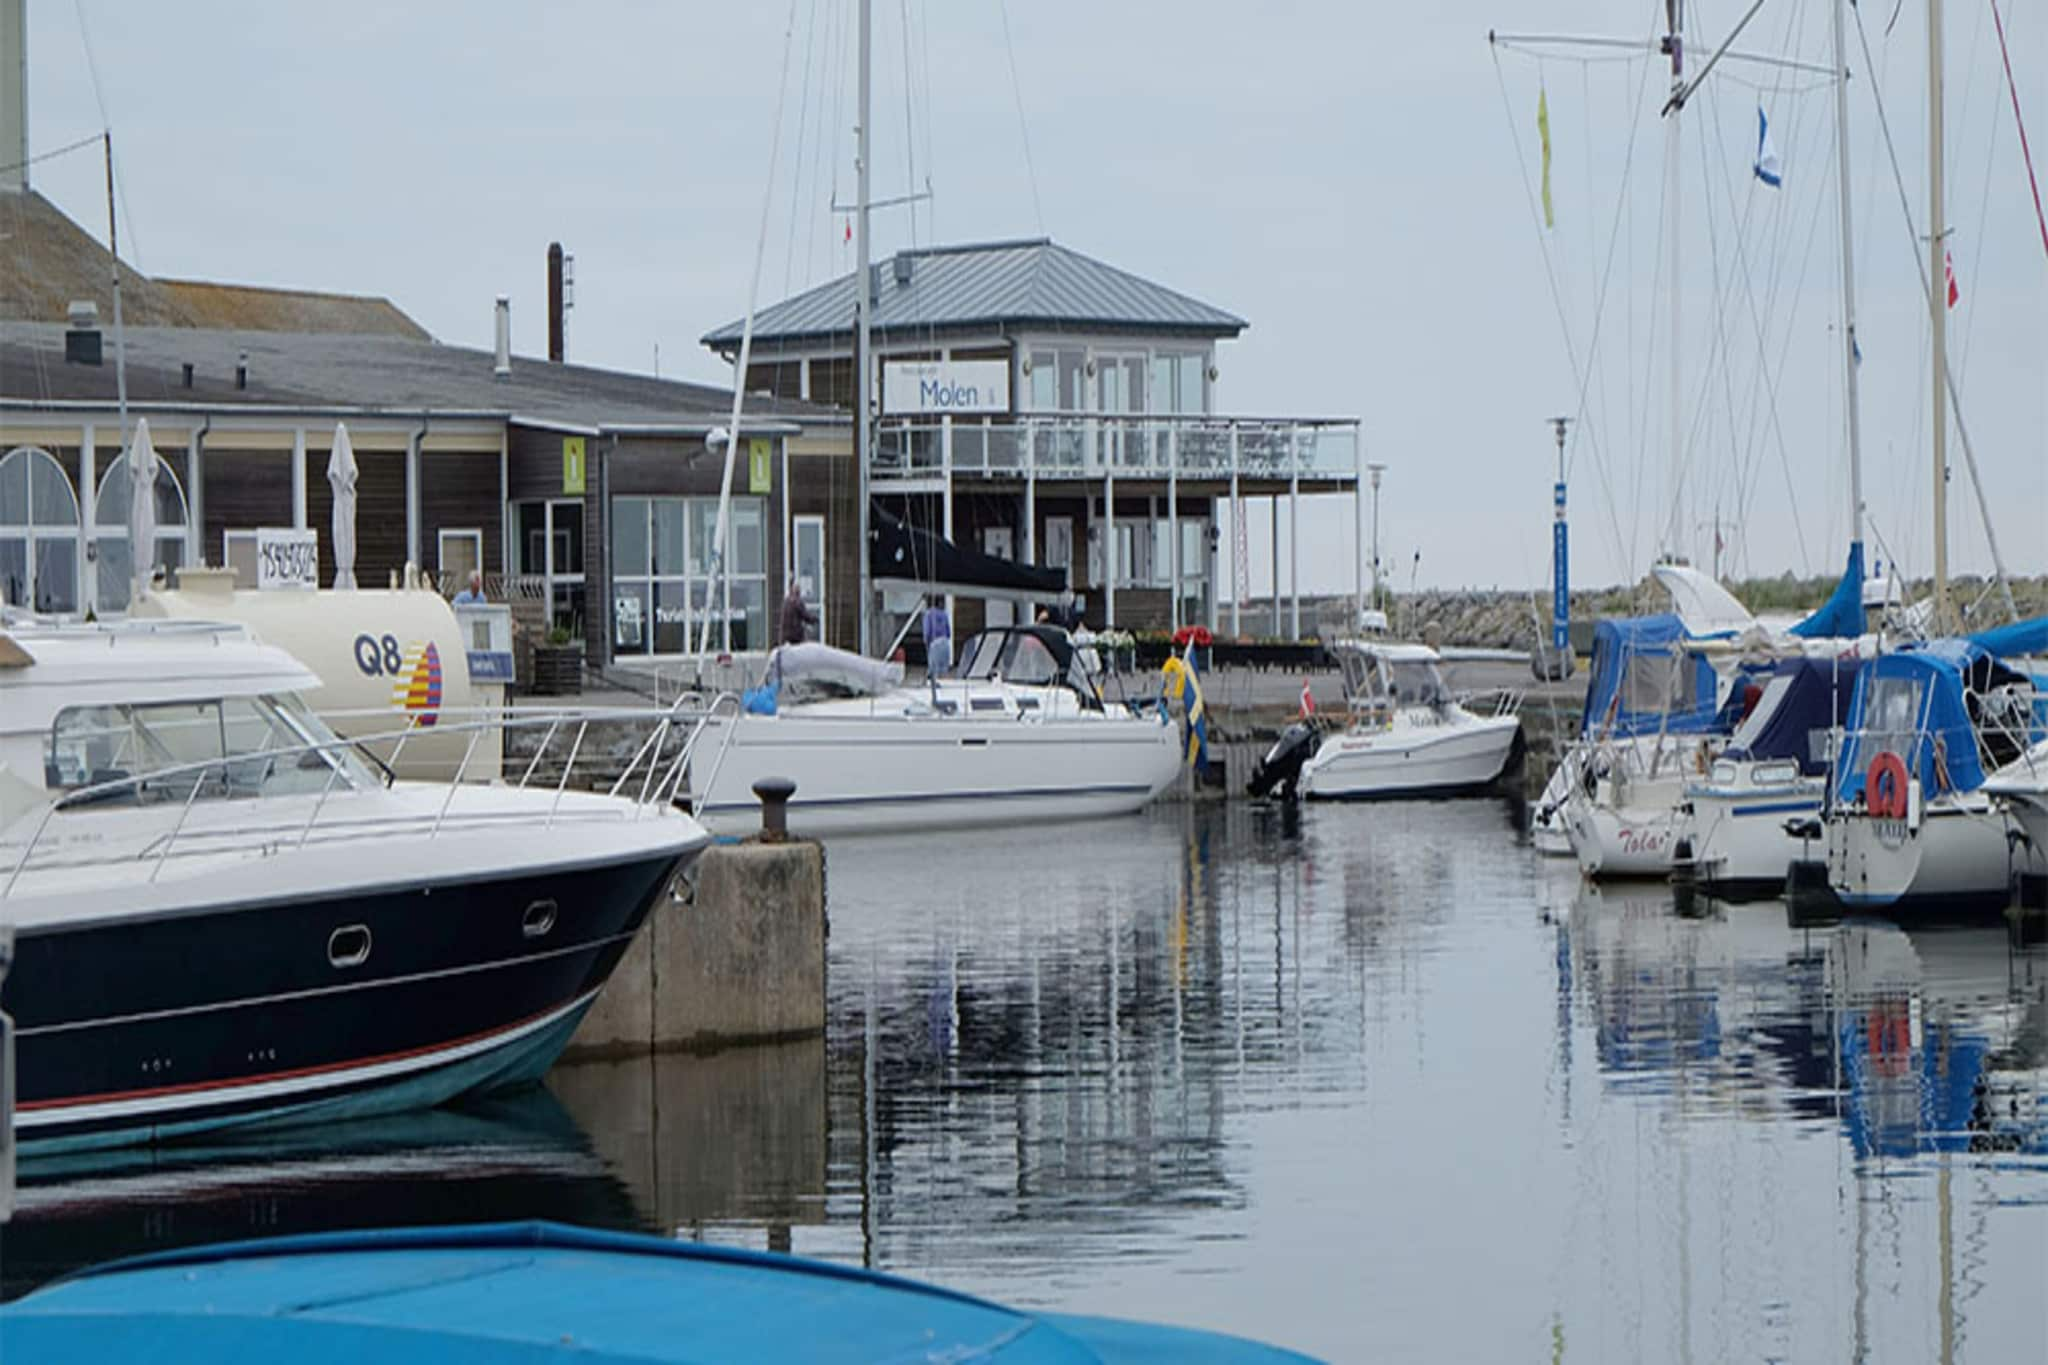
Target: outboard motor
<point x="1281" y="767"/>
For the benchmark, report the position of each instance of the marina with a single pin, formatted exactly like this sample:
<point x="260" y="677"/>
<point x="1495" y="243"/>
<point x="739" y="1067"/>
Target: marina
<point x="943" y="822"/>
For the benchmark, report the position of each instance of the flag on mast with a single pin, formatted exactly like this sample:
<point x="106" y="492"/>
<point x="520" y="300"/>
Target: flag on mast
<point x="1768" y="168"/>
<point x="1543" y="131"/>
<point x="1948" y="262"/>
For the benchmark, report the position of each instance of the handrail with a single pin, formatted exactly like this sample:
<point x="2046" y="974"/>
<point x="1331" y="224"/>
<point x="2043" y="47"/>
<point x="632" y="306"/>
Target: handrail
<point x="200" y="770"/>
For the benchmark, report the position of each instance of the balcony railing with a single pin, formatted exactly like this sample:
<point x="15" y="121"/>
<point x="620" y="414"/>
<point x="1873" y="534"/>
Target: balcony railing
<point x="1081" y="446"/>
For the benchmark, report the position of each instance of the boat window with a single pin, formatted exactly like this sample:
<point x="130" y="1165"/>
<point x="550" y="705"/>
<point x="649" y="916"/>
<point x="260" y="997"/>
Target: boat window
<point x="1414" y="681"/>
<point x="1760" y="715"/>
<point x="1655" y="682"/>
<point x="1359" y="680"/>
<point x="1891" y="716"/>
<point x="977" y="655"/>
<point x="236" y="747"/>
<point x="1025" y="660"/>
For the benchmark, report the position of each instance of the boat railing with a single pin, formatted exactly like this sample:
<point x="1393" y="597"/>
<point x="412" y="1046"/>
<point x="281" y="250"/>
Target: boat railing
<point x="651" y="780"/>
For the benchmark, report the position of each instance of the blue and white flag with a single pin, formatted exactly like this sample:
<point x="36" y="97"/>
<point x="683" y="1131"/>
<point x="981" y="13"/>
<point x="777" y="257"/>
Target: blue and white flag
<point x="1767" y="166"/>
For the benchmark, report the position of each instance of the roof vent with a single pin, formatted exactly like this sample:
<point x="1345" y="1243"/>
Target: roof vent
<point x="502" y="366"/>
<point x="82" y="338"/>
<point x="903" y="259"/>
<point x="242" y="370"/>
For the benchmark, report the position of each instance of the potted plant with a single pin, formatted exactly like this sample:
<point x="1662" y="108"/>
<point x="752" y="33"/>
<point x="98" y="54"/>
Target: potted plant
<point x="1119" y="650"/>
<point x="558" y="665"/>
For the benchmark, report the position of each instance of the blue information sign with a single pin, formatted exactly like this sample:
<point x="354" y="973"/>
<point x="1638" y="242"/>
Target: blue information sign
<point x="1560" y="577"/>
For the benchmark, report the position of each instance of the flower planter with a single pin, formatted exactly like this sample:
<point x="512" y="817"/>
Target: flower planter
<point x="557" y="670"/>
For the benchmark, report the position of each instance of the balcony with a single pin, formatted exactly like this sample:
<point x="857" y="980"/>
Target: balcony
<point x="1078" y="446"/>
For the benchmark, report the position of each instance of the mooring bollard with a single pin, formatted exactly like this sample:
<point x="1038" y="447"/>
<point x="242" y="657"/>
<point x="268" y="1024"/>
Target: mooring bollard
<point x="774" y="793"/>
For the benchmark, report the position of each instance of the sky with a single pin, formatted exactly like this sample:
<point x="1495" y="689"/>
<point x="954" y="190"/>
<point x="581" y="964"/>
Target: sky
<point x="1358" y="181"/>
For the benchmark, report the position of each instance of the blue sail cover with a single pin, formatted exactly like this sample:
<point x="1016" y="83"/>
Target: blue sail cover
<point x="1841" y="616"/>
<point x="2018" y="640"/>
<point x="1643" y="681"/>
<point x="1815" y="695"/>
<point x="1912" y="703"/>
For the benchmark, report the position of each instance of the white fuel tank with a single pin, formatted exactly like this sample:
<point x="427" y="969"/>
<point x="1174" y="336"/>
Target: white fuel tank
<point x="388" y="661"/>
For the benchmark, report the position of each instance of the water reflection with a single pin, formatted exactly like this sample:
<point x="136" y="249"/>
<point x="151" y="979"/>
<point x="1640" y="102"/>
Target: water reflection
<point x="1371" y="1081"/>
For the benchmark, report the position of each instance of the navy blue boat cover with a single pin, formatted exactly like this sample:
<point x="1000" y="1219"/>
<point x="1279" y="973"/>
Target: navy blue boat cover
<point x="1643" y="681"/>
<point x="1816" y="695"/>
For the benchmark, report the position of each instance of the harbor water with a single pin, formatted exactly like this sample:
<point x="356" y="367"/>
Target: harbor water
<point x="1374" y="1082"/>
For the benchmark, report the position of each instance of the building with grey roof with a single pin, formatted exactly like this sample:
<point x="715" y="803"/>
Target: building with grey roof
<point x="1041" y="404"/>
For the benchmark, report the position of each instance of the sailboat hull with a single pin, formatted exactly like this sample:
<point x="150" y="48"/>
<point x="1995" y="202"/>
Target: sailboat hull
<point x="1957" y="859"/>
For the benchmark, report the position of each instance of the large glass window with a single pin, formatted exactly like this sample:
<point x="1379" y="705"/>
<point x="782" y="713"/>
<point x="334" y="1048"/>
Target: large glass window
<point x="110" y="515"/>
<point x="661" y="575"/>
<point x="239" y="746"/>
<point x="38" y="532"/>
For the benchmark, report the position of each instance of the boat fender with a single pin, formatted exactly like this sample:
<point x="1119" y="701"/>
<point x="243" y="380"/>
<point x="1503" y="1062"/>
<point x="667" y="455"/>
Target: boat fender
<point x="1884" y="787"/>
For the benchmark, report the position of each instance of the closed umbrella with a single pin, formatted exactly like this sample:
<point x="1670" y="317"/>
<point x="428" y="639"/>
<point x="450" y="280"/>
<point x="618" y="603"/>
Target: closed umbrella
<point x="142" y="466"/>
<point x="341" y="477"/>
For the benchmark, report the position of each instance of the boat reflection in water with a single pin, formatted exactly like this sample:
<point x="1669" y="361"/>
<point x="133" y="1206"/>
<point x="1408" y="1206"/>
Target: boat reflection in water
<point x="1924" y="1052"/>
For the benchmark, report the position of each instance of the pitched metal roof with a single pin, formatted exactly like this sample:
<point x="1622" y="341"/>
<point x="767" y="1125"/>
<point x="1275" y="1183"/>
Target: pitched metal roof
<point x="986" y="285"/>
<point x="368" y="373"/>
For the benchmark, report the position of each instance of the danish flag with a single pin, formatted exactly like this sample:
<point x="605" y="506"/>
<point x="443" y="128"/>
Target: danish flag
<point x="1308" y="699"/>
<point x="1949" y="265"/>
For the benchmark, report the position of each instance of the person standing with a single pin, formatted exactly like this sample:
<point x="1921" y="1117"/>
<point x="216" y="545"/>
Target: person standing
<point x="795" y="615"/>
<point x="473" y="595"/>
<point x="938" y="639"/>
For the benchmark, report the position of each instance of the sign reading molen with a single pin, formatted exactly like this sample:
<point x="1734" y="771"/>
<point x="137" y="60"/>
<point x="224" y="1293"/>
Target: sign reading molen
<point x="934" y="388"/>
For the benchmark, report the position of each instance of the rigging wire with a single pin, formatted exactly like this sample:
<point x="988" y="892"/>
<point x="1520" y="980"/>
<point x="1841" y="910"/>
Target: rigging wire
<point x="2027" y="152"/>
<point x="803" y="118"/>
<point x="1023" y="125"/>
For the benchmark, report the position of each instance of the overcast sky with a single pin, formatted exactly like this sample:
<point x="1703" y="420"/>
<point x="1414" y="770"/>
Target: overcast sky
<point x="1355" y="180"/>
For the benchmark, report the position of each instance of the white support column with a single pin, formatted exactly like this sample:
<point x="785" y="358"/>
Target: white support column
<point x="87" y="549"/>
<point x="1273" y="505"/>
<point x="299" y="479"/>
<point x="1030" y="516"/>
<point x="412" y="499"/>
<point x="1357" y="551"/>
<point x="1109" y="546"/>
<point x="195" y="497"/>
<point x="1294" y="550"/>
<point x="1173" y="523"/>
<point x="1237" y="588"/>
<point x="946" y="503"/>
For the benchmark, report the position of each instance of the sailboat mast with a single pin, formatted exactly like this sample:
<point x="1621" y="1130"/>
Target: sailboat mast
<point x="863" y="364"/>
<point x="1849" y="347"/>
<point x="1937" y="306"/>
<point x="1674" y="44"/>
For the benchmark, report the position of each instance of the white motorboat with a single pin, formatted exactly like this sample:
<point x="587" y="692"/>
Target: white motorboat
<point x="1913" y="823"/>
<point x="225" y="916"/>
<point x="1758" y="809"/>
<point x="1017" y="732"/>
<point x="1408" y="734"/>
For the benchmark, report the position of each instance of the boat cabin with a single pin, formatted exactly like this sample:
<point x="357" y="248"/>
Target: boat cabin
<point x="1028" y="656"/>
<point x="1382" y="677"/>
<point x="1950" y="710"/>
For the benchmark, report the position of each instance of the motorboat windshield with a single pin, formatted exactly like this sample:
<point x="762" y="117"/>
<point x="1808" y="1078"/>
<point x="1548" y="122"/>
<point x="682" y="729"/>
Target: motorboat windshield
<point x="224" y="747"/>
<point x="1391" y="675"/>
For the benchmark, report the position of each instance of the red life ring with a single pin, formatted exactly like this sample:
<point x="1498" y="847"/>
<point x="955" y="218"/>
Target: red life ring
<point x="1884" y="787"/>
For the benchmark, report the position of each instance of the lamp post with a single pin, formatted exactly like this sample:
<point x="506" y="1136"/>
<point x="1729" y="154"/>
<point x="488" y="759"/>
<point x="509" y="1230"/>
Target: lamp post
<point x="1375" y="470"/>
<point x="1560" y="569"/>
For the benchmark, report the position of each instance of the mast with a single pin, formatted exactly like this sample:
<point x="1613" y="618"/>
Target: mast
<point x="1849" y="348"/>
<point x="863" y="287"/>
<point x="1937" y="307"/>
<point x="1674" y="44"/>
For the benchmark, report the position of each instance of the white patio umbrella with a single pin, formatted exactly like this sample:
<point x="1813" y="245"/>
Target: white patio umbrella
<point x="341" y="477"/>
<point x="142" y="467"/>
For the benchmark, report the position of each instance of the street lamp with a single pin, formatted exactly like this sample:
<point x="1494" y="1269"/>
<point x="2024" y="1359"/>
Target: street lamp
<point x="1376" y="470"/>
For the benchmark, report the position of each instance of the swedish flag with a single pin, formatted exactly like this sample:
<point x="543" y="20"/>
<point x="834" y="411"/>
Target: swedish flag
<point x="1178" y="681"/>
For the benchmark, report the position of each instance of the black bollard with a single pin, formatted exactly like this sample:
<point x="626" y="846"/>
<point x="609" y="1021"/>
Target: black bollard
<point x="774" y="793"/>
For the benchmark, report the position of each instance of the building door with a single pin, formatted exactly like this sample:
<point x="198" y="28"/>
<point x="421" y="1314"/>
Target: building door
<point x="997" y="541"/>
<point x="808" y="559"/>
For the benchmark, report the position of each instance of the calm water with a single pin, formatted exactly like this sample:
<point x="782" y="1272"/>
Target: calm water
<point x="1373" y="1082"/>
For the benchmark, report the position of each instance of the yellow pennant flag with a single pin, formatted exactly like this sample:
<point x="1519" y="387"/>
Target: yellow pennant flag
<point x="1543" y="130"/>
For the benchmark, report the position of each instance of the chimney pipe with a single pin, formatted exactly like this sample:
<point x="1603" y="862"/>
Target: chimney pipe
<point x="503" y="368"/>
<point x="242" y="370"/>
<point x="555" y="347"/>
<point x="188" y="374"/>
<point x="82" y="338"/>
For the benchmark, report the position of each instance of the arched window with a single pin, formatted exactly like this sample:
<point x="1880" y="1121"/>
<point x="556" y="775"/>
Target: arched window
<point x="38" y="532"/>
<point x="110" y="525"/>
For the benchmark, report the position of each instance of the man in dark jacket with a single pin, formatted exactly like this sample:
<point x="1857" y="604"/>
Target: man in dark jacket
<point x="795" y="616"/>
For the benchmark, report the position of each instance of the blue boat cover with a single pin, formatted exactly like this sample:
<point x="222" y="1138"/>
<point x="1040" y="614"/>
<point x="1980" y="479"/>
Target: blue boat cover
<point x="1914" y="703"/>
<point x="529" y="1292"/>
<point x="1841" y="616"/>
<point x="1643" y="681"/>
<point x="2018" y="640"/>
<point x="1816" y="697"/>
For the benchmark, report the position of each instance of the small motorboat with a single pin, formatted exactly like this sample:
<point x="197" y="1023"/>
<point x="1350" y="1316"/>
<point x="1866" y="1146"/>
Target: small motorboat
<point x="495" y="1295"/>
<point x="1408" y="734"/>
<point x="225" y="915"/>
<point x="1017" y="731"/>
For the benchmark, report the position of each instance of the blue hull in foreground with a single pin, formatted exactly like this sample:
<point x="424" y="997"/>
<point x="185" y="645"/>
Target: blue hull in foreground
<point x="527" y="1292"/>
